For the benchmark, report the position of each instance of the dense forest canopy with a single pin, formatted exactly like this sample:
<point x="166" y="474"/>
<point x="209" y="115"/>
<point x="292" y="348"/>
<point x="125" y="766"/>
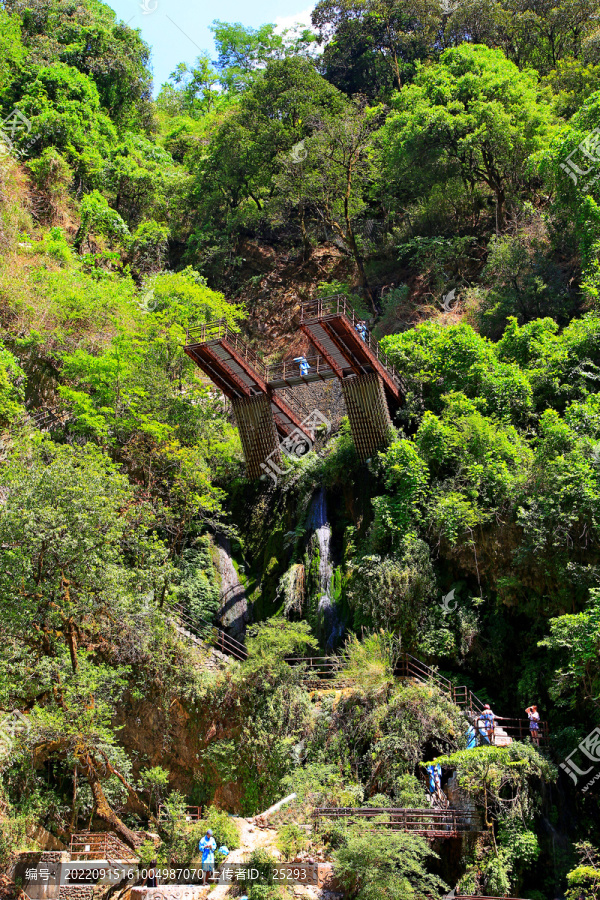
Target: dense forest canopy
<point x="436" y="162"/>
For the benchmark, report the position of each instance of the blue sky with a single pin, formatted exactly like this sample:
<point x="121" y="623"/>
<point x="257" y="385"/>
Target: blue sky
<point x="177" y="30"/>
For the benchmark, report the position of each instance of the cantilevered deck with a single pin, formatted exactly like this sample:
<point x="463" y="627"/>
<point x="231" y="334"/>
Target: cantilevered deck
<point x="370" y="385"/>
<point x="232" y="366"/>
<point x="330" y="325"/>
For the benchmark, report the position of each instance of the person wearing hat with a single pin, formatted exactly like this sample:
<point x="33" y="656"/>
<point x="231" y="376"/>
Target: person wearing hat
<point x="208" y="845"/>
<point x="534" y="724"/>
<point x="488" y="719"/>
<point x="305" y="366"/>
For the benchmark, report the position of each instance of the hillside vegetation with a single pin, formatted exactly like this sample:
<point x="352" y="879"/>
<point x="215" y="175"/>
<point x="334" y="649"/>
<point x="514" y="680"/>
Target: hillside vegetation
<point x="437" y="163"/>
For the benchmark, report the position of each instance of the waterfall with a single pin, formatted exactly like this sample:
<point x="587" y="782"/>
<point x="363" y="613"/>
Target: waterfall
<point x="328" y="619"/>
<point x="233" y="614"/>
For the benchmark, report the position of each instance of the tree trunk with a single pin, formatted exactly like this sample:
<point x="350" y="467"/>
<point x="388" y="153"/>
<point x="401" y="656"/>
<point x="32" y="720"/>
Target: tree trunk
<point x="102" y="807"/>
<point x="364" y="281"/>
<point x="500" y="200"/>
<point x="307" y="248"/>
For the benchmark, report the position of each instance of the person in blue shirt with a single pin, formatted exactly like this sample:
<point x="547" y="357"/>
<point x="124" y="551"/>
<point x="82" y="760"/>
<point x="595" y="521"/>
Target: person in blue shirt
<point x="304" y="364"/>
<point x="361" y="327"/>
<point x="208" y="845"/>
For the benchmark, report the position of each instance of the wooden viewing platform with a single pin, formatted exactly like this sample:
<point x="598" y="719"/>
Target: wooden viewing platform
<point x="432" y="823"/>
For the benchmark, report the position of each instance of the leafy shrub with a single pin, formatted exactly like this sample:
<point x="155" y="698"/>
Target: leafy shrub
<point x="369" y="662"/>
<point x="225" y="831"/>
<point x="291" y="839"/>
<point x="98" y="218"/>
<point x="371" y="865"/>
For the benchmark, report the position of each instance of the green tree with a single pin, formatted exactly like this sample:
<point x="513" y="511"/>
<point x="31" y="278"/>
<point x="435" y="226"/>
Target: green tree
<point x="63" y="106"/>
<point x="67" y="526"/>
<point x="373" y="46"/>
<point x="12" y="50"/>
<point x="373" y="865"/>
<point x="11" y="388"/>
<point x="243" y="52"/>
<point x="498" y="778"/>
<point x="88" y="37"/>
<point x="196" y="86"/>
<point x="575" y="638"/>
<point x="473" y="116"/>
<point x="331" y="186"/>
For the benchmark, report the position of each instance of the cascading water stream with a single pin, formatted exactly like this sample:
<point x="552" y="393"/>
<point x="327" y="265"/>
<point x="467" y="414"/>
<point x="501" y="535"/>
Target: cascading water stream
<point x="233" y="614"/>
<point x="327" y="612"/>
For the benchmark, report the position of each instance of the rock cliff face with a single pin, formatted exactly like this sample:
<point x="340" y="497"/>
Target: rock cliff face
<point x="176" y="736"/>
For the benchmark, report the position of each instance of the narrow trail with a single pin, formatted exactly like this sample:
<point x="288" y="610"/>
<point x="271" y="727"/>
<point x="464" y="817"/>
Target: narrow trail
<point x="251" y="838"/>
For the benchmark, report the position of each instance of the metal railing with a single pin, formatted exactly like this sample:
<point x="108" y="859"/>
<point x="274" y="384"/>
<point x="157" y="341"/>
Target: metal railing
<point x="99" y="845"/>
<point x="424" y="821"/>
<point x="290" y="369"/>
<point x="518" y="729"/>
<point x="316" y="666"/>
<point x="210" y="634"/>
<point x="331" y="307"/>
<point x="221" y="331"/>
<point x="410" y="667"/>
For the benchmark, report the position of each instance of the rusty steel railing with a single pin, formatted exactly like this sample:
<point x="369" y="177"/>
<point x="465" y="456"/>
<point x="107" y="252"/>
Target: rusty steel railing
<point x="221" y="331"/>
<point x="332" y="307"/>
<point x="290" y="369"/>
<point x="423" y="821"/>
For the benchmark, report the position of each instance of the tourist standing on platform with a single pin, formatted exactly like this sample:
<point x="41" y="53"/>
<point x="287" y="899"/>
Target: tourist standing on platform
<point x="361" y="327"/>
<point x="488" y="719"/>
<point x="534" y="724"/>
<point x="304" y="365"/>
